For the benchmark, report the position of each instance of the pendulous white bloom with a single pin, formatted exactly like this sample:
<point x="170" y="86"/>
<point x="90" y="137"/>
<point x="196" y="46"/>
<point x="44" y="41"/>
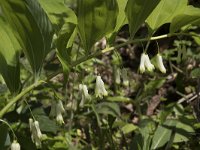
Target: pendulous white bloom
<point x="142" y="63"/>
<point x="100" y="90"/>
<point x="36" y="134"/>
<point x="145" y="63"/>
<point x="160" y="64"/>
<point x="15" y="146"/>
<point x="57" y="110"/>
<point x="84" y="94"/>
<point x="150" y="67"/>
<point x="125" y="77"/>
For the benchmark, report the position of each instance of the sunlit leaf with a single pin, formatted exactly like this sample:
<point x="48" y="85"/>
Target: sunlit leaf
<point x="128" y="128"/>
<point x="137" y="11"/>
<point x="121" y="20"/>
<point x="58" y="12"/>
<point x="9" y="57"/>
<point x="190" y="16"/>
<point x="162" y="134"/>
<point x="164" y="13"/>
<point x="32" y="28"/>
<point x="183" y="132"/>
<point x="96" y="18"/>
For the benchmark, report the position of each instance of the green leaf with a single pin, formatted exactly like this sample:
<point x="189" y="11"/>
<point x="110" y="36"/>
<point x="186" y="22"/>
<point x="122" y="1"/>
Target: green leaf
<point x="121" y="20"/>
<point x="108" y="109"/>
<point x="58" y="13"/>
<point x="190" y="16"/>
<point x="128" y="128"/>
<point x="9" y="57"/>
<point x="32" y="28"/>
<point x="153" y="85"/>
<point x="195" y="73"/>
<point x="64" y="45"/>
<point x="4" y="137"/>
<point x="137" y="11"/>
<point x="119" y="99"/>
<point x="147" y="126"/>
<point x="164" y="13"/>
<point x="183" y="132"/>
<point x="162" y="134"/>
<point x="96" y="19"/>
<point x="46" y="124"/>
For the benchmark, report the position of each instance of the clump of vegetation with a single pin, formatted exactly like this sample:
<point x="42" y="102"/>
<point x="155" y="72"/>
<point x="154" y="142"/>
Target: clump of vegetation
<point x="99" y="74"/>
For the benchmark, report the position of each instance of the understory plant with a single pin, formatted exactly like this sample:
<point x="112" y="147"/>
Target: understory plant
<point x="99" y="74"/>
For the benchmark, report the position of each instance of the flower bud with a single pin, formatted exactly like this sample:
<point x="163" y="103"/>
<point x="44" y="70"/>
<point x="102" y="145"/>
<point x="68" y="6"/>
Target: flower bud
<point x="59" y="118"/>
<point x="36" y="134"/>
<point x="117" y="75"/>
<point x="125" y="77"/>
<point x="160" y="64"/>
<point x="15" y="146"/>
<point x="100" y="90"/>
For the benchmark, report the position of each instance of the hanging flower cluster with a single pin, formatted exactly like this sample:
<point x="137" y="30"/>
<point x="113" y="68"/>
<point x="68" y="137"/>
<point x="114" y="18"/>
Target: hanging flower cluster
<point x="36" y="134"/>
<point x="15" y="145"/>
<point x="57" y="110"/>
<point x="145" y="63"/>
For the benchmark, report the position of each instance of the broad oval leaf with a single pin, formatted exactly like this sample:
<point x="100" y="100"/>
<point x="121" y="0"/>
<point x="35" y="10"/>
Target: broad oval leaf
<point x="190" y="16"/>
<point x="137" y="11"/>
<point x="107" y="108"/>
<point x="64" y="45"/>
<point x="58" y="13"/>
<point x="33" y="29"/>
<point x="9" y="57"/>
<point x="121" y="20"/>
<point x="96" y="18"/>
<point x="164" y="13"/>
<point x="162" y="134"/>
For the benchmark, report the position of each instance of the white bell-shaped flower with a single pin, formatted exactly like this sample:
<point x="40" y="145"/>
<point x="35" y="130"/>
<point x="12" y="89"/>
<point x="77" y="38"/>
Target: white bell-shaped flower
<point x="150" y="67"/>
<point x="160" y="64"/>
<point x="145" y="63"/>
<point x="84" y="94"/>
<point x="142" y="63"/>
<point x="36" y="134"/>
<point x="100" y="90"/>
<point x="59" y="110"/>
<point x="15" y="146"/>
<point x="59" y="118"/>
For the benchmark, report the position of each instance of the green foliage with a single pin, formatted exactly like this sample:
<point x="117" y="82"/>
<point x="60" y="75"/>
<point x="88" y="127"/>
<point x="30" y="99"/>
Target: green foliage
<point x="4" y="137"/>
<point x="58" y="13"/>
<point x="32" y="28"/>
<point x="190" y="16"/>
<point x="164" y="13"/>
<point x="137" y="11"/>
<point x="64" y="48"/>
<point x="9" y="57"/>
<point x="96" y="19"/>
